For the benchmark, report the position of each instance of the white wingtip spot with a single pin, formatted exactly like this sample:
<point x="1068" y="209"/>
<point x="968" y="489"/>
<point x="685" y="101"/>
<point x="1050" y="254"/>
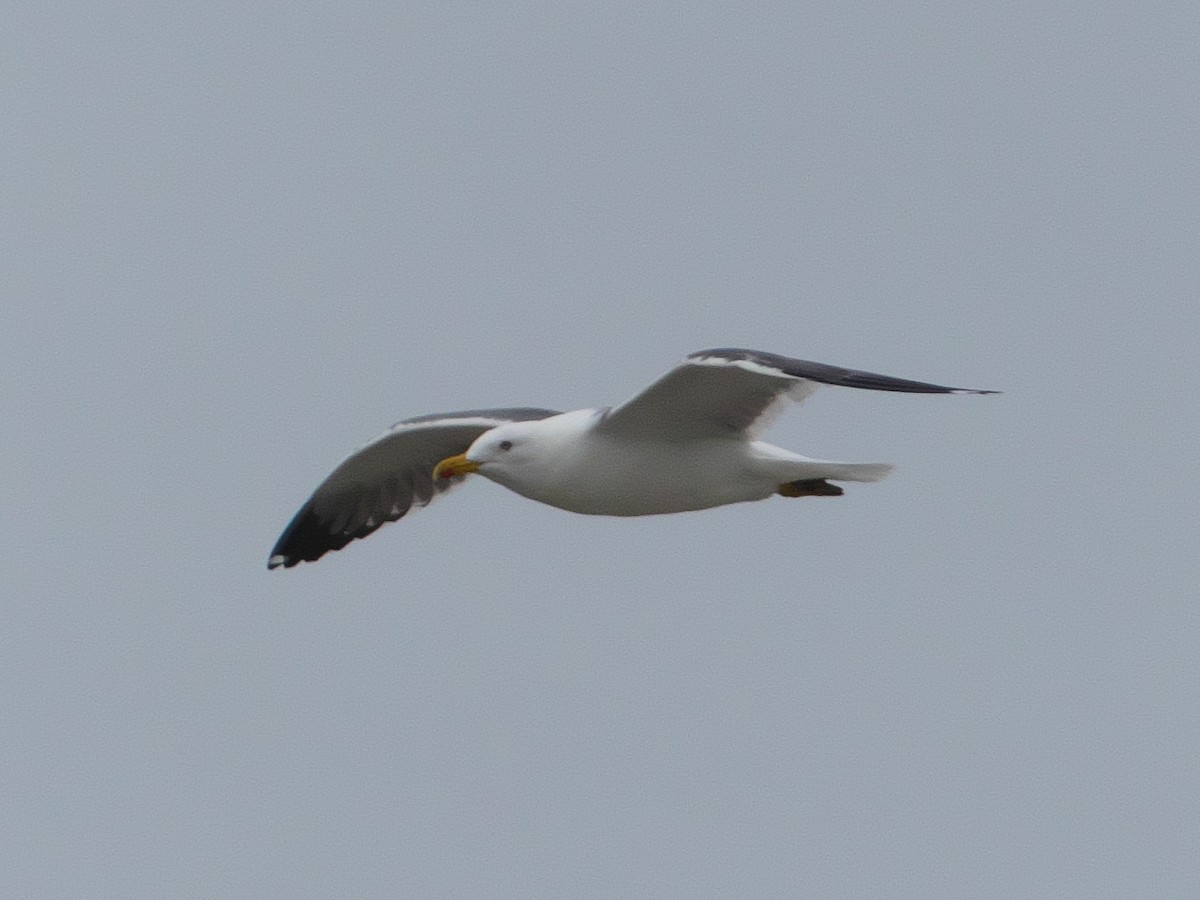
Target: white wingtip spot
<point x="276" y="561"/>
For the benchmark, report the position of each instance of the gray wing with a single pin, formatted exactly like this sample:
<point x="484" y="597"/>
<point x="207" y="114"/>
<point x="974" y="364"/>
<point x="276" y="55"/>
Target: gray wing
<point x="734" y="391"/>
<point x="382" y="481"/>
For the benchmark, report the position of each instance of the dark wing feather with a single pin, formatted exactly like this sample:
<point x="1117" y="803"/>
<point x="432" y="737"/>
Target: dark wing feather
<point x="382" y="481"/>
<point x="826" y="374"/>
<point x="732" y="391"/>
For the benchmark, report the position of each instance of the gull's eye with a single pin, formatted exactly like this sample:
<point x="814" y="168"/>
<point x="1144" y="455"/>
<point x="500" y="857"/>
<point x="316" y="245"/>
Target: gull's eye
<point x="506" y="445"/>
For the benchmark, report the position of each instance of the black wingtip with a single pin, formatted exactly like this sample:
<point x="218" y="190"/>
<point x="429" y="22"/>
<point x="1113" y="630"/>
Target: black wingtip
<point x="827" y="374"/>
<point x="306" y="538"/>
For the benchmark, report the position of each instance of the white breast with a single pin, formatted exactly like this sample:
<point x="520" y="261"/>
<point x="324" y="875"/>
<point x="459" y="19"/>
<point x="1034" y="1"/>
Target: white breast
<point x="598" y="475"/>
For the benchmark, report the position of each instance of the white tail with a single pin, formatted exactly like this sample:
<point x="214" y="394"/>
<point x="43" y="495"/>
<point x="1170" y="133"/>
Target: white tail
<point x="840" y="471"/>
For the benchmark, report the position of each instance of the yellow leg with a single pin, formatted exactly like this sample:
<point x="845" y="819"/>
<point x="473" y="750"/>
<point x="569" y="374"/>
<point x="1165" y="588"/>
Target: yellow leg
<point x="809" y="487"/>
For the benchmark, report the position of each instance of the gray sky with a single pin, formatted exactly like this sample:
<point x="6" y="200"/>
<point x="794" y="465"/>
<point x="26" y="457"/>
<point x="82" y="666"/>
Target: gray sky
<point x="240" y="240"/>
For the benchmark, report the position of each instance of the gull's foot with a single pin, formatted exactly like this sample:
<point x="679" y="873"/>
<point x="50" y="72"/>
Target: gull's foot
<point x="809" y="487"/>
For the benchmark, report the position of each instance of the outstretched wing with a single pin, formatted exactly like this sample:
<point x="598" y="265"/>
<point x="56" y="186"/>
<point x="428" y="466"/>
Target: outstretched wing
<point x="733" y="391"/>
<point x="382" y="481"/>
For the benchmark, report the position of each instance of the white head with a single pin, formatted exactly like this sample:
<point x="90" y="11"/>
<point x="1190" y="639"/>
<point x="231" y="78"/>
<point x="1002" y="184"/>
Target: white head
<point x="506" y="449"/>
<point x="525" y="457"/>
<point x="501" y="453"/>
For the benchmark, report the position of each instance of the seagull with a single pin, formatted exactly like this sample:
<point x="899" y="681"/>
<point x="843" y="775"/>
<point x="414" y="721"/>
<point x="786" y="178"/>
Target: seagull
<point x="689" y="441"/>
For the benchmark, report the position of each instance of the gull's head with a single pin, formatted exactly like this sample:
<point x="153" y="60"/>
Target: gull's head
<point x="497" y="453"/>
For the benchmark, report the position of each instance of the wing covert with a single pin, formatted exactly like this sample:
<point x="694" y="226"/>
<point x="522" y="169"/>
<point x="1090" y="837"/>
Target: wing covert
<point x="384" y="480"/>
<point x="732" y="391"/>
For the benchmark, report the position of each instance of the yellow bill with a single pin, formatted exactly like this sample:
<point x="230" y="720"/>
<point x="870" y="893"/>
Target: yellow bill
<point x="454" y="466"/>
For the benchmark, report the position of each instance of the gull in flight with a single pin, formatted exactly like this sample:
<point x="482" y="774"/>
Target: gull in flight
<point x="688" y="441"/>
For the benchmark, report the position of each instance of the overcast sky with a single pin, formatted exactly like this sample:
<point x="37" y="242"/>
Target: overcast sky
<point x="239" y="240"/>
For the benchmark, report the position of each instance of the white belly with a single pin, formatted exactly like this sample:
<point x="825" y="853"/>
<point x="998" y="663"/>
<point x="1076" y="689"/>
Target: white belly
<point x="618" y="478"/>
